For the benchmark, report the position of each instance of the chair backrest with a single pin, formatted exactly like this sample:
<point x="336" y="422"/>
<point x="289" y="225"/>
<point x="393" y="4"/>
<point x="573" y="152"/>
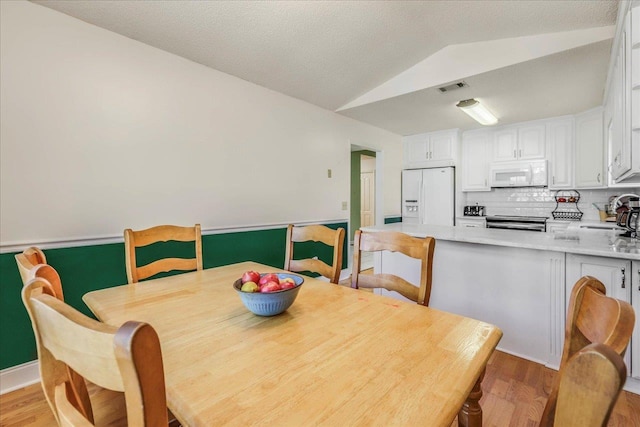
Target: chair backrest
<point x="32" y="263"/>
<point x="126" y="359"/>
<point x="592" y="317"/>
<point x="161" y="233"/>
<point x="414" y="247"/>
<point x="315" y="233"/>
<point x="589" y="387"/>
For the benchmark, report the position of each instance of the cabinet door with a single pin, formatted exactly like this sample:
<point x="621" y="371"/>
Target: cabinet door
<point x="531" y="142"/>
<point x="427" y="150"/>
<point x="475" y="162"/>
<point x="441" y="146"/>
<point x="416" y="149"/>
<point x="620" y="161"/>
<point x="590" y="150"/>
<point x="635" y="338"/>
<point x="615" y="274"/>
<point x="505" y="144"/>
<point x="560" y="149"/>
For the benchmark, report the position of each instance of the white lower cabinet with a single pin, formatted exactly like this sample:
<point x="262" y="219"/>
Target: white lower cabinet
<point x="616" y="275"/>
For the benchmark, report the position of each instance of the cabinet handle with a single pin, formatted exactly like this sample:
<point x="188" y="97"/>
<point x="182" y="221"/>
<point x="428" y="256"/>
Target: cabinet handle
<point x="598" y="178"/>
<point x="485" y="182"/>
<point x="520" y="152"/>
<point x="639" y="279"/>
<point x="553" y="180"/>
<point x="514" y="154"/>
<point x="624" y="277"/>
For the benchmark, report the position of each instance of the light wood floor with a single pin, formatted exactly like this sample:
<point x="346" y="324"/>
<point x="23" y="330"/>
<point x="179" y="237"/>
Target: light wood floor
<point x="514" y="395"/>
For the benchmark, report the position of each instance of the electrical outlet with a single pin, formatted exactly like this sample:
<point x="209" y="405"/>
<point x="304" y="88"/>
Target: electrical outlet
<point x="344" y="206"/>
<point x="328" y="173"/>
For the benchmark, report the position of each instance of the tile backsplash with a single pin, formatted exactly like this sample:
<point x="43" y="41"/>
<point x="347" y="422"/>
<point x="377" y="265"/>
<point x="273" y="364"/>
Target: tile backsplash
<point x="534" y="201"/>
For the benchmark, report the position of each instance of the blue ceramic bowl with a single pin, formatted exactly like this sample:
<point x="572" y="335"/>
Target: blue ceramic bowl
<point x="271" y="303"/>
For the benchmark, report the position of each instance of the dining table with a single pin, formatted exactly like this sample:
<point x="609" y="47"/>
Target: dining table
<point x="337" y="357"/>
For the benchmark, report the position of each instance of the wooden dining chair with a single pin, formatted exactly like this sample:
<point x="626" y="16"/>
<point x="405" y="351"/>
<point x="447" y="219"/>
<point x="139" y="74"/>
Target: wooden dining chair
<point x="414" y="247"/>
<point x="315" y="233"/>
<point x="589" y="387"/>
<point x="126" y="359"/>
<point x="33" y="263"/>
<point x="592" y="318"/>
<point x="161" y="233"/>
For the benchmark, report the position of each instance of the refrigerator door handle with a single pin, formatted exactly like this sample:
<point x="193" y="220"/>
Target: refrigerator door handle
<point x="421" y="202"/>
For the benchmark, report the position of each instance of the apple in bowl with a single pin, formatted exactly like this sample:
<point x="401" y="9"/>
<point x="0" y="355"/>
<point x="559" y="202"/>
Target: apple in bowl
<point x="270" y="296"/>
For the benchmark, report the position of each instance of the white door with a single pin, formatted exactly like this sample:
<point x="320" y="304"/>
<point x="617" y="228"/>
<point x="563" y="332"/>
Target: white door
<point x="367" y="199"/>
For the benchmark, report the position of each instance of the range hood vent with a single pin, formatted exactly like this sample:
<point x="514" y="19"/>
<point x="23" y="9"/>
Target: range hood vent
<point x="454" y="86"/>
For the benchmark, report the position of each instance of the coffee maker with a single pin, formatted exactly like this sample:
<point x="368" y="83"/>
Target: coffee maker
<point x="628" y="212"/>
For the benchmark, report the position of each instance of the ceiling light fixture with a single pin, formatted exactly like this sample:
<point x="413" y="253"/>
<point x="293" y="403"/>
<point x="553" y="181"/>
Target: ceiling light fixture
<point x="477" y="112"/>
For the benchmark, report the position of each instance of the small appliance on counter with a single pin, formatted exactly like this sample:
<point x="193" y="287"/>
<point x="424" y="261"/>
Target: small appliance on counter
<point x="474" y="210"/>
<point x="628" y="210"/>
<point x="628" y="215"/>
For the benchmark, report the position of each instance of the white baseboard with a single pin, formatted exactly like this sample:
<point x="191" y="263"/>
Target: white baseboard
<point x="19" y="376"/>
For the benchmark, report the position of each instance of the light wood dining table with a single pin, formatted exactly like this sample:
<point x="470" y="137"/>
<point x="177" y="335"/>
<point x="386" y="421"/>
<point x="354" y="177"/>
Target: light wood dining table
<point x="337" y="357"/>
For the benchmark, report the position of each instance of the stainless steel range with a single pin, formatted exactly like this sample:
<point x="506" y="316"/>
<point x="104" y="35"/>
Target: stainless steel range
<point x="514" y="222"/>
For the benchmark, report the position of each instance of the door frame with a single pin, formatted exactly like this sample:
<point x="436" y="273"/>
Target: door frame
<point x="379" y="187"/>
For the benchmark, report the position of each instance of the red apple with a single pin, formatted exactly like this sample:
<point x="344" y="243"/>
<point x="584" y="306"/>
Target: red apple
<point x="287" y="285"/>
<point x="270" y="287"/>
<point x="250" y="276"/>
<point x="269" y="277"/>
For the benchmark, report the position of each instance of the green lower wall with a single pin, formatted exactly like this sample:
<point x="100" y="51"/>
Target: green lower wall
<point x="87" y="268"/>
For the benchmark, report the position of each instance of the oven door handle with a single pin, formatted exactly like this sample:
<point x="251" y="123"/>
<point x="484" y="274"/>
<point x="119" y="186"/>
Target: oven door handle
<point x="531" y="227"/>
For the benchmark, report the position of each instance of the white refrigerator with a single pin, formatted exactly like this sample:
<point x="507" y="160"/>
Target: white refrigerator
<point x="428" y="196"/>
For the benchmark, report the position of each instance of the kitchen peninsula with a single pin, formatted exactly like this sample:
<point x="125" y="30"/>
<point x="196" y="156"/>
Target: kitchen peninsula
<point x="520" y="281"/>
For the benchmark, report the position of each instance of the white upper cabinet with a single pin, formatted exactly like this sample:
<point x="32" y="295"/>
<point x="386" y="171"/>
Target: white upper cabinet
<point x="560" y="153"/>
<point x="531" y="141"/>
<point x="505" y="144"/>
<point x="519" y="143"/>
<point x="623" y="103"/>
<point x="589" y="150"/>
<point x="476" y="149"/>
<point x="430" y="149"/>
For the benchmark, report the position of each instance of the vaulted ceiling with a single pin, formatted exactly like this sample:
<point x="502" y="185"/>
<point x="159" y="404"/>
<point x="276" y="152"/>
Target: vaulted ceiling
<point x="381" y="62"/>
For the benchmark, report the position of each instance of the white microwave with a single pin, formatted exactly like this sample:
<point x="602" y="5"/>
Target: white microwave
<point x="519" y="174"/>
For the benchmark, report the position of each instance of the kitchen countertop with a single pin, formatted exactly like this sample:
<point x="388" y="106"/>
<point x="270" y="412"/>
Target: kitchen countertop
<point x="584" y="242"/>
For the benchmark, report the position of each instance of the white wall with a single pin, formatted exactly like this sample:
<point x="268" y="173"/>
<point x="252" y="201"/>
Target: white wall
<point x="100" y="132"/>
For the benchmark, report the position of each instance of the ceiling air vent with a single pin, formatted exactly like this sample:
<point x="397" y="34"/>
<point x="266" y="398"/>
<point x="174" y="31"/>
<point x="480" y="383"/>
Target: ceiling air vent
<point x="453" y="86"/>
